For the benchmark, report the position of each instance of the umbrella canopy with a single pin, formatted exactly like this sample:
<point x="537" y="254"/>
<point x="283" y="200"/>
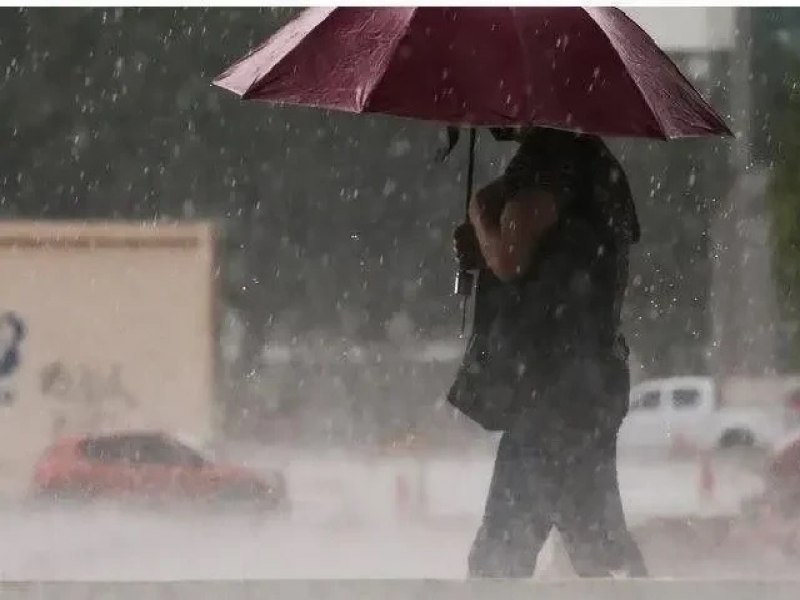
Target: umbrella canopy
<point x="585" y="69"/>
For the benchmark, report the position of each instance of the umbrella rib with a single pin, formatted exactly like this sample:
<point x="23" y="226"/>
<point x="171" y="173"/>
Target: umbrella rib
<point x="392" y="50"/>
<point x="525" y="63"/>
<point x="632" y="79"/>
<point x="707" y="108"/>
<point x="259" y="78"/>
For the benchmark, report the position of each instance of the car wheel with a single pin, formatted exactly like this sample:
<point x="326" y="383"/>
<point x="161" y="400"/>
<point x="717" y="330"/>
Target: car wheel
<point x="251" y="498"/>
<point x="236" y="494"/>
<point x="62" y="495"/>
<point x="737" y="438"/>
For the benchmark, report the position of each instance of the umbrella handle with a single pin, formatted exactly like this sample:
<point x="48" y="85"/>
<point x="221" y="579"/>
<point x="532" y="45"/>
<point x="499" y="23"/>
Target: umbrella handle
<point x="465" y="279"/>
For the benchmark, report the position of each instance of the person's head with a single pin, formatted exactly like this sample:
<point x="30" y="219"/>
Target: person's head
<point x="591" y="157"/>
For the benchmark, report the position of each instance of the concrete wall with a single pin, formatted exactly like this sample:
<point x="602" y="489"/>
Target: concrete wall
<point x="102" y="327"/>
<point x="687" y="28"/>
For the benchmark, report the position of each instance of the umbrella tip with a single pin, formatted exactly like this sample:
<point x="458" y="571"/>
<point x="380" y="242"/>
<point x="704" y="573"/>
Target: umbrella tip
<point x="724" y="130"/>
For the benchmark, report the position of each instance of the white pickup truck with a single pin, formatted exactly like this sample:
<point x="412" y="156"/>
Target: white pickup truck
<point x="693" y="412"/>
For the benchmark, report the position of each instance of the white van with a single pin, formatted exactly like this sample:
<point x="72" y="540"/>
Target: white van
<point x="689" y="411"/>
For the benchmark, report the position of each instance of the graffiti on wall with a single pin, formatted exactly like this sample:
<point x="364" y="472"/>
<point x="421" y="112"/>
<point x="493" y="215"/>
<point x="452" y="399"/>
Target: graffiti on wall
<point x="12" y="334"/>
<point x="88" y="396"/>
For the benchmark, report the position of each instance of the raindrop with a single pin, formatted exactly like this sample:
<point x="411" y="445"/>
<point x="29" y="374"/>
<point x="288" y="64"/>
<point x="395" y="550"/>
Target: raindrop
<point x="399" y="148"/>
<point x="389" y="187"/>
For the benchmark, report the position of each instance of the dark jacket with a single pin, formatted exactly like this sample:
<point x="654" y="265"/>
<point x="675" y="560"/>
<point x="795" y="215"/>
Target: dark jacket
<point x="563" y="315"/>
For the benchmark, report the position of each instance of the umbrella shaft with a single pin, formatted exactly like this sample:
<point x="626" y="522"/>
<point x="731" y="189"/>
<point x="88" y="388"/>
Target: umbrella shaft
<point x="465" y="280"/>
<point x="470" y="170"/>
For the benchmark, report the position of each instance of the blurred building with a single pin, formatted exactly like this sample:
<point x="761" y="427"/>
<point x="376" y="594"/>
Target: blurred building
<point x="750" y="336"/>
<point x="737" y="57"/>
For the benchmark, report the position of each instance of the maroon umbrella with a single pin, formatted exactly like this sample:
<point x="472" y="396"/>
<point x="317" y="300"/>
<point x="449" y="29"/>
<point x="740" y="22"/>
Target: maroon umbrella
<point x="586" y="69"/>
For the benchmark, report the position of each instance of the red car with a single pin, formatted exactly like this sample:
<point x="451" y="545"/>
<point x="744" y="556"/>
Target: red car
<point x="149" y="466"/>
<point x="773" y="516"/>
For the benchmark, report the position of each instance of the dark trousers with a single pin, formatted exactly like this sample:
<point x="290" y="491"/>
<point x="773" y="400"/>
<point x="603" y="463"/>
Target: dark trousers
<point x="557" y="472"/>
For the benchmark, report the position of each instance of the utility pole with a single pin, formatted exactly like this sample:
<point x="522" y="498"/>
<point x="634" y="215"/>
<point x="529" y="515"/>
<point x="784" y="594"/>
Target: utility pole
<point x="724" y="243"/>
<point x="744" y="310"/>
<point x="740" y="89"/>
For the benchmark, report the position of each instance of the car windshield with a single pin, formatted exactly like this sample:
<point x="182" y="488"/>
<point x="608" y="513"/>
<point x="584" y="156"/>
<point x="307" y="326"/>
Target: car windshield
<point x="142" y="449"/>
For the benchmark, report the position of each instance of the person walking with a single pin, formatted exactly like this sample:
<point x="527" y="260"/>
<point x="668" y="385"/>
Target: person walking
<point x="546" y="363"/>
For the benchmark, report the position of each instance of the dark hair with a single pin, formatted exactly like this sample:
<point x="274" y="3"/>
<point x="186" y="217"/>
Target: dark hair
<point x="608" y="204"/>
<point x="615" y="209"/>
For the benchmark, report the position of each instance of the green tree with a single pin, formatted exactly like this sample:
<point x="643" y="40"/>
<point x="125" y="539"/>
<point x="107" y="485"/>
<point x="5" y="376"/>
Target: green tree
<point x="784" y="205"/>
